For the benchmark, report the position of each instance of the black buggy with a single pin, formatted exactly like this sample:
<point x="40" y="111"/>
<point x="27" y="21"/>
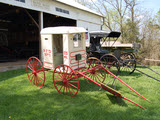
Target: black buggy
<point x="113" y="59"/>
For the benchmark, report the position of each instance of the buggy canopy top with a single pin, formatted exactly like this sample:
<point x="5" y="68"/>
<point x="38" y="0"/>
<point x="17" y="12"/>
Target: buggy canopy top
<point x="62" y="30"/>
<point x="103" y="33"/>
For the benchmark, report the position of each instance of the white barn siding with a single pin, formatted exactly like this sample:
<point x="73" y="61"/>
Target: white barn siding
<point x="88" y="25"/>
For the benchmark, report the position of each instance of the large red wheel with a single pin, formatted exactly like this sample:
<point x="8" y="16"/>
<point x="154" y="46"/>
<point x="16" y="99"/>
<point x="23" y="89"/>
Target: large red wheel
<point x="98" y="75"/>
<point x="35" y="71"/>
<point x="65" y="80"/>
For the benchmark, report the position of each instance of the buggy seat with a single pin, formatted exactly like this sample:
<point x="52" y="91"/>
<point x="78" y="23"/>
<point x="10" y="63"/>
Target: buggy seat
<point x="95" y="45"/>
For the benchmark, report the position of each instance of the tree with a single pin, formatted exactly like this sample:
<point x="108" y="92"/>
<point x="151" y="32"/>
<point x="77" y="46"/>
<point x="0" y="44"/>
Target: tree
<point x="131" y="25"/>
<point x="150" y="40"/>
<point x="120" y="15"/>
<point x="158" y="17"/>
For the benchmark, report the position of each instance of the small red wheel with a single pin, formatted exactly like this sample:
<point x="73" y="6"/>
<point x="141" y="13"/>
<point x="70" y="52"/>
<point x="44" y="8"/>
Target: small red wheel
<point x="98" y="75"/>
<point x="35" y="71"/>
<point x="65" y="80"/>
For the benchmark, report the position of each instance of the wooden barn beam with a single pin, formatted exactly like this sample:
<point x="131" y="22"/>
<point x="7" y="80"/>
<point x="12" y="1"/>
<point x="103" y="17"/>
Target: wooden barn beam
<point x="32" y="18"/>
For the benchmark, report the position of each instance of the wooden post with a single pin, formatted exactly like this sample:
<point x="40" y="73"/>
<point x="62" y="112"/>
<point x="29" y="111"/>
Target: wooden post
<point x="40" y="28"/>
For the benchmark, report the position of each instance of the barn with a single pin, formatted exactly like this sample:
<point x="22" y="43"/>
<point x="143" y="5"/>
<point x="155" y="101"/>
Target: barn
<point x="22" y="20"/>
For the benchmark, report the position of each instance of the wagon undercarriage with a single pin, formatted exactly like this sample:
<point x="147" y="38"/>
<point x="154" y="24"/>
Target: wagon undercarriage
<point x="66" y="80"/>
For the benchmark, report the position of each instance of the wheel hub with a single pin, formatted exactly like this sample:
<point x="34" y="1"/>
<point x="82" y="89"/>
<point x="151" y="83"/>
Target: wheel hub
<point x="65" y="81"/>
<point x="34" y="72"/>
<point x="93" y="71"/>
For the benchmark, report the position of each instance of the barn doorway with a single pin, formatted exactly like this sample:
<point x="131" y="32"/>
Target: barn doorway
<point x="19" y="31"/>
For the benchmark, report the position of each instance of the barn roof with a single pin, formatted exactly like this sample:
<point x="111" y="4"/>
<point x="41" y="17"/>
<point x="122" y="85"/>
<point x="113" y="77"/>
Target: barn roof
<point x="77" y="5"/>
<point x="62" y="30"/>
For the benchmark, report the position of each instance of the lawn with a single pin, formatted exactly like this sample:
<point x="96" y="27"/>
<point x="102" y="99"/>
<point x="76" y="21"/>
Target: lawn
<point x="20" y="100"/>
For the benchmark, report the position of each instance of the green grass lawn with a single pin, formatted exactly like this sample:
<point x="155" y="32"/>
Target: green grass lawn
<point x="20" y="100"/>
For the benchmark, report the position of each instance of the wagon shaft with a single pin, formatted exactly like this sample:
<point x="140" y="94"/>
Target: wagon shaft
<point x="107" y="88"/>
<point x="111" y="90"/>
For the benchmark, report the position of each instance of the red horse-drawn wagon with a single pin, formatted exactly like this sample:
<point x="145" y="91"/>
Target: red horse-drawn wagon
<point x="64" y="54"/>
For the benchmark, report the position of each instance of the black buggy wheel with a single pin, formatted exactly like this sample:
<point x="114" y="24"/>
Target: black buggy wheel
<point x="111" y="63"/>
<point x="127" y="62"/>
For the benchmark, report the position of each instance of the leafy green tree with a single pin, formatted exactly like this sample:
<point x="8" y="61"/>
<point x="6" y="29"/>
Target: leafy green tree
<point x="158" y="17"/>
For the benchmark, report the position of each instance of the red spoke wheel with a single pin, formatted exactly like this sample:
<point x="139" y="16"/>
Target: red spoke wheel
<point x="98" y="75"/>
<point x="65" y="80"/>
<point x="35" y="71"/>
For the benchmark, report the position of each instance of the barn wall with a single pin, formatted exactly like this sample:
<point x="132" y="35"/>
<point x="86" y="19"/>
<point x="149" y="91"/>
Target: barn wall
<point x="49" y="6"/>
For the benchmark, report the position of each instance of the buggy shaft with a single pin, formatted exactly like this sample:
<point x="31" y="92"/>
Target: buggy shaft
<point x="109" y="90"/>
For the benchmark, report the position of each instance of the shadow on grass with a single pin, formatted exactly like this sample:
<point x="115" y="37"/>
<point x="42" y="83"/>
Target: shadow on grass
<point x="116" y="100"/>
<point x="125" y="73"/>
<point x="12" y="73"/>
<point x="87" y="86"/>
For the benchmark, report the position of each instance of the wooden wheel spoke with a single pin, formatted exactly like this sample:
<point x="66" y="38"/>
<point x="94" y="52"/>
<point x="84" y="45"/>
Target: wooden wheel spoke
<point x="58" y="77"/>
<point x="63" y="72"/>
<point x="39" y="70"/>
<point x="89" y="75"/>
<point x="30" y="68"/>
<point x="29" y="71"/>
<point x="58" y="80"/>
<point x="30" y="65"/>
<point x="98" y="79"/>
<point x="64" y="89"/>
<point x="70" y="75"/>
<point x="59" y="84"/>
<point x="71" y="78"/>
<point x="61" y="87"/>
<point x="72" y="85"/>
<point x="41" y="73"/>
<point x="39" y="77"/>
<point x="59" y="70"/>
<point x="59" y="74"/>
<point x="31" y="75"/>
<point x="71" y="88"/>
<point x="100" y="76"/>
<point x="38" y="81"/>
<point x="73" y="81"/>
<point x="37" y="67"/>
<point x="33" y="79"/>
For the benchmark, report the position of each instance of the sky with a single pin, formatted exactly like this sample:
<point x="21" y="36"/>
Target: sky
<point x="152" y="5"/>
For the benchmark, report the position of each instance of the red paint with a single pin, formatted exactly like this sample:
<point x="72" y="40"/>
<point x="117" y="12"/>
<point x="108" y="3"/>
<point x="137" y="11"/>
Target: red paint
<point x="65" y="53"/>
<point x="47" y="52"/>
